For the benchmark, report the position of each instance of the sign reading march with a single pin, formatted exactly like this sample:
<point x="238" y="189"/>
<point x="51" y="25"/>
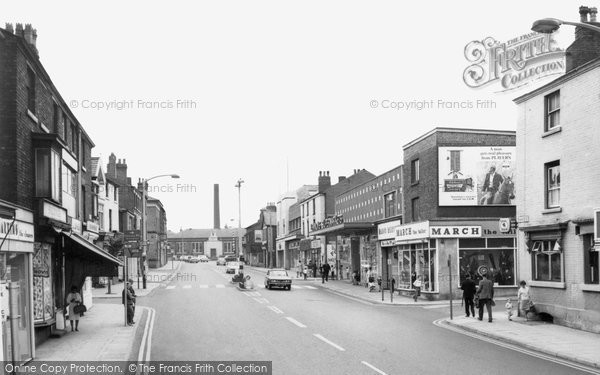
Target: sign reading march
<point x="472" y="176"/>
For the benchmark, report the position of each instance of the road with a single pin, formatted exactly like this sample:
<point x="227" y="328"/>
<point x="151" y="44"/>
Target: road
<point x="199" y="315"/>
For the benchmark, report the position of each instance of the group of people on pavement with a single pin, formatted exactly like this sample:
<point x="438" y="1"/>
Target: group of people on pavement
<point x="302" y="270"/>
<point x="482" y="295"/>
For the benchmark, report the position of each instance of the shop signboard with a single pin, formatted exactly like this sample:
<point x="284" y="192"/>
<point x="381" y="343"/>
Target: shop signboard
<point x="475" y="176"/>
<point x="53" y="212"/>
<point x="455" y="231"/>
<point x="412" y="231"/>
<point x="16" y="230"/>
<point x="76" y="226"/>
<point x="315" y="244"/>
<point x="387" y="231"/>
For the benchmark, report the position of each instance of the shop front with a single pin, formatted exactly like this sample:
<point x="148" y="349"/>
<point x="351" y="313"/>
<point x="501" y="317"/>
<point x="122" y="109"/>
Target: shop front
<point x="386" y="234"/>
<point x="417" y="258"/>
<point x="17" y="247"/>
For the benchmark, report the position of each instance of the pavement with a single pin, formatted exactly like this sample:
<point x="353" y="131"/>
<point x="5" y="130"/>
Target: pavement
<point x="102" y="334"/>
<point x="550" y="339"/>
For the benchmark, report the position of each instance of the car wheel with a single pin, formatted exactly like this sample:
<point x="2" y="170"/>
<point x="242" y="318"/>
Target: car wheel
<point x="269" y="286"/>
<point x="289" y="287"/>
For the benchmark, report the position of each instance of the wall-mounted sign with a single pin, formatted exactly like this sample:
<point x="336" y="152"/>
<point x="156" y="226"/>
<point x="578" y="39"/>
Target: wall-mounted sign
<point x="455" y="231"/>
<point x="76" y="226"/>
<point x="258" y="235"/>
<point x="412" y="231"/>
<point x="315" y="244"/>
<point x="92" y="227"/>
<point x="386" y="231"/>
<point x="475" y="176"/>
<point x="53" y="212"/>
<point x="18" y="230"/>
<point x="388" y="243"/>
<point x="329" y="222"/>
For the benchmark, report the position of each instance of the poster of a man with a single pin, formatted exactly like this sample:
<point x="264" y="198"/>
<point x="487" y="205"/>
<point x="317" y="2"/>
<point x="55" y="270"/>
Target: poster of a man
<point x="490" y="186"/>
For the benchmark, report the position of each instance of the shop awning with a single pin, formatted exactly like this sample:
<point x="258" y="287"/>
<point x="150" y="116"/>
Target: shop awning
<point x="95" y="251"/>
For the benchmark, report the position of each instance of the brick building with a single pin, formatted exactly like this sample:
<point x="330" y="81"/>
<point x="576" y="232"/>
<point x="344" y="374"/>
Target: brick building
<point x="210" y="242"/>
<point x="458" y="204"/>
<point x="157" y="233"/>
<point x="45" y="164"/>
<point x="558" y="136"/>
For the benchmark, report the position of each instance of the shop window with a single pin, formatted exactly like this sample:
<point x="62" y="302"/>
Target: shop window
<point x="472" y="243"/>
<point x="417" y="260"/>
<point x="552" y="107"/>
<point x="547" y="261"/>
<point x="553" y="184"/>
<point x="47" y="174"/>
<point x="591" y="261"/>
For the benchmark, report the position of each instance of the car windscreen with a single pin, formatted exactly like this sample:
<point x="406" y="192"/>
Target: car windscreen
<point x="278" y="273"/>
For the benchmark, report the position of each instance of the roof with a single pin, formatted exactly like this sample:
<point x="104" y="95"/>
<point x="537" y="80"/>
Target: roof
<point x="205" y="233"/>
<point x="458" y="130"/>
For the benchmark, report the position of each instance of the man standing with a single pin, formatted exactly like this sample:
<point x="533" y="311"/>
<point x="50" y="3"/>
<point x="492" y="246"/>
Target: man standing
<point x="325" y="272"/>
<point x="485" y="291"/>
<point x="491" y="185"/>
<point x="468" y="287"/>
<point x="130" y="303"/>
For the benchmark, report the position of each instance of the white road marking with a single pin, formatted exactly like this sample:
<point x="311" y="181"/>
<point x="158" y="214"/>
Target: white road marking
<point x="440" y="323"/>
<point x="295" y="322"/>
<point x="329" y="342"/>
<point x="261" y="300"/>
<point x="373" y="367"/>
<point x="187" y="286"/>
<point x="171" y="287"/>
<point x="203" y="286"/>
<point x="309" y="287"/>
<point x="296" y="287"/>
<point x="275" y="310"/>
<point x="219" y="286"/>
<point x="146" y="344"/>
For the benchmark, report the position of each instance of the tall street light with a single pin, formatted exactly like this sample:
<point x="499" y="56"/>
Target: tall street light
<point x="550" y="25"/>
<point x="144" y="223"/>
<point x="239" y="187"/>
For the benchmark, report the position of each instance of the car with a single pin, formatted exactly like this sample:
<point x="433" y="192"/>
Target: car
<point x="221" y="261"/>
<point x="203" y="258"/>
<point x="278" y="278"/>
<point x="194" y="260"/>
<point x="230" y="258"/>
<point x="232" y="267"/>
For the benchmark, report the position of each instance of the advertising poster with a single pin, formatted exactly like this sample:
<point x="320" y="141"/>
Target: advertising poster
<point x="476" y="176"/>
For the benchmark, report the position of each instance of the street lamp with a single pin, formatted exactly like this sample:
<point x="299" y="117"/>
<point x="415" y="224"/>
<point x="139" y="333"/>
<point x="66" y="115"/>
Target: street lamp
<point x="550" y="25"/>
<point x="144" y="224"/>
<point x="239" y="187"/>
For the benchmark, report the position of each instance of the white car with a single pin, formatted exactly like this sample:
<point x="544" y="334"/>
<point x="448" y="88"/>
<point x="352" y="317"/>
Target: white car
<point x="232" y="267"/>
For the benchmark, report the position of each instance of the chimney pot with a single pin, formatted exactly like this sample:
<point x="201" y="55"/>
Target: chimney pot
<point x="583" y="13"/>
<point x="327" y="173"/>
<point x="9" y="28"/>
<point x="593" y="12"/>
<point x="19" y="30"/>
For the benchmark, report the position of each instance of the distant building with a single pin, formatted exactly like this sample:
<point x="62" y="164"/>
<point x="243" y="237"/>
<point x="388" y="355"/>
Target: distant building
<point x="157" y="233"/>
<point x="261" y="237"/>
<point x="210" y="242"/>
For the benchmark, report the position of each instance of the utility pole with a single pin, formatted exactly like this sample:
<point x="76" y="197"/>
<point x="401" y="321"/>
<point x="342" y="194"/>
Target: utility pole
<point x="450" y="279"/>
<point x="238" y="185"/>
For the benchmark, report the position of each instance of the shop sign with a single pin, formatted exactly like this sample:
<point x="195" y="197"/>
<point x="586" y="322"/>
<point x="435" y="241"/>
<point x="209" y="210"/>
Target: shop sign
<point x="258" y="235"/>
<point x="294" y="245"/>
<point x="315" y="244"/>
<point x="597" y="226"/>
<point x="76" y="226"/>
<point x="504" y="224"/>
<point x="331" y="258"/>
<point x="16" y="230"/>
<point x="455" y="231"/>
<point x="386" y="231"/>
<point x="54" y="212"/>
<point x="388" y="243"/>
<point x="412" y="231"/>
<point x="92" y="227"/>
<point x="329" y="222"/>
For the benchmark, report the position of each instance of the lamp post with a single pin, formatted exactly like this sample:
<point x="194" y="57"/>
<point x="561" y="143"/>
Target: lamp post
<point x="238" y="185"/>
<point x="550" y="25"/>
<point x="144" y="223"/>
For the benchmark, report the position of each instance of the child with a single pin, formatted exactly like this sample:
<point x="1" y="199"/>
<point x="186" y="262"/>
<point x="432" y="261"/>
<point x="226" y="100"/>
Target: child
<point x="509" y="309"/>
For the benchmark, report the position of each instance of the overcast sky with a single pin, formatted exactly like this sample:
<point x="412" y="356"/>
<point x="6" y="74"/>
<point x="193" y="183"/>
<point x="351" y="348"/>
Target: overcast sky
<point x="268" y="84"/>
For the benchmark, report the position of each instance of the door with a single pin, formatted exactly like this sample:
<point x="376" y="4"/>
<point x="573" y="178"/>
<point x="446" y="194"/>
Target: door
<point x="213" y="253"/>
<point x="355" y="254"/>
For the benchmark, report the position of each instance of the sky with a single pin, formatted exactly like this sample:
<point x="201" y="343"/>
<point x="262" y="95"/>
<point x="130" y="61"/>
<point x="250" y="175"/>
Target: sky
<point x="271" y="92"/>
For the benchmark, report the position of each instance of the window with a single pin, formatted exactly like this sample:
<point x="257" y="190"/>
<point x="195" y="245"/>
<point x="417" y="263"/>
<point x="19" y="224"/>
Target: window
<point x="416" y="214"/>
<point x="390" y="204"/>
<point x="31" y="90"/>
<point x="69" y="185"/>
<point x="591" y="262"/>
<point x="101" y="217"/>
<point x="74" y="141"/>
<point x="83" y="202"/>
<point x="314" y="205"/>
<point x="547" y="261"/>
<point x="65" y="127"/>
<point x="414" y="171"/>
<point x="553" y="184"/>
<point x="56" y="119"/>
<point x="552" y="105"/>
<point x="47" y="174"/>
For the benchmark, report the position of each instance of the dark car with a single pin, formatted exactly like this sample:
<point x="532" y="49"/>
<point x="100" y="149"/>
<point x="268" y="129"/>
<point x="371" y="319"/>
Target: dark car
<point x="221" y="261"/>
<point x="278" y="278"/>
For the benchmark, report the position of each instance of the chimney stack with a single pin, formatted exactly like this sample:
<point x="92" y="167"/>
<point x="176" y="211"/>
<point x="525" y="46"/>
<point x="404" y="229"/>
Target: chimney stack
<point x="122" y="172"/>
<point x="111" y="168"/>
<point x="9" y="27"/>
<point x="324" y="181"/>
<point x="586" y="46"/>
<point x="217" y="214"/>
<point x="341" y="178"/>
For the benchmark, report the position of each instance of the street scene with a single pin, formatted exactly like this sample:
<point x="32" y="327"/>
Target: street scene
<point x="281" y="188"/>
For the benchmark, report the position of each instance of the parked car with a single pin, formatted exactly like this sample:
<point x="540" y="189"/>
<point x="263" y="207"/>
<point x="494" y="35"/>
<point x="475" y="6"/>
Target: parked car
<point x="221" y="261"/>
<point x="203" y="258"/>
<point x="278" y="278"/>
<point x="232" y="267"/>
<point x="193" y="259"/>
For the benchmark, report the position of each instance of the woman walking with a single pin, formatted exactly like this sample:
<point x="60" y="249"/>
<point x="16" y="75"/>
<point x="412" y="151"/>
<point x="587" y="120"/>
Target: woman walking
<point x="74" y="299"/>
<point x="523" y="299"/>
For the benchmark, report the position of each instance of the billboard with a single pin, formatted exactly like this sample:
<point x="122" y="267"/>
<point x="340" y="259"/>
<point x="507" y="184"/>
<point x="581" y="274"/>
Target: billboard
<point x="476" y="176"/>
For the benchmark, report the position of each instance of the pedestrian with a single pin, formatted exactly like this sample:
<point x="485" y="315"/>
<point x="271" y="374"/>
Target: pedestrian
<point x="417" y="284"/>
<point x="509" y="309"/>
<point x="369" y="276"/>
<point x="523" y="299"/>
<point x="469" y="289"/>
<point x="325" y="268"/>
<point x="347" y="272"/>
<point x="299" y="269"/>
<point x="74" y="299"/>
<point x="314" y="269"/>
<point x="305" y="271"/>
<point x="129" y="305"/>
<point x="132" y="291"/>
<point x="485" y="291"/>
